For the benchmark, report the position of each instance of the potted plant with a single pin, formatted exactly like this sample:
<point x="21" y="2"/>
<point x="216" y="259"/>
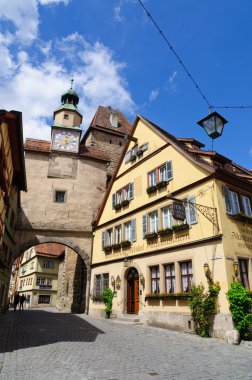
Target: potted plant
<point x="107" y="249"/>
<point x="165" y="231"/>
<point x="151" y="235"/>
<point x="161" y="184"/>
<point x="108" y="295"/>
<point x="180" y="227"/>
<point x="125" y="243"/>
<point x="116" y="246"/>
<point x="125" y="202"/>
<point x="243" y="217"/>
<point x="151" y="189"/>
<point x="117" y="206"/>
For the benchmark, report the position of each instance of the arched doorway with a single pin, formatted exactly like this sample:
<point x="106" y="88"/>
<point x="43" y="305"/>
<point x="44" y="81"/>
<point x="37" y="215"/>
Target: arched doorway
<point x="132" y="291"/>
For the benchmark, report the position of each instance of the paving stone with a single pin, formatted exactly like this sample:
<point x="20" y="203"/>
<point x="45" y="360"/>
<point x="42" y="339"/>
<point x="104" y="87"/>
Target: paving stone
<point x="46" y="344"/>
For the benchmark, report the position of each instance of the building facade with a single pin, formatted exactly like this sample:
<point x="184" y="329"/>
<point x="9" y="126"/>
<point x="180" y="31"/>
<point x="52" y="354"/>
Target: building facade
<point x="38" y="275"/>
<point x="12" y="182"/>
<point x="67" y="178"/>
<point x="171" y="209"/>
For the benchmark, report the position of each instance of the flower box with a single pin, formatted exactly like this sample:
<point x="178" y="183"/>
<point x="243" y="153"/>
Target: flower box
<point x="108" y="248"/>
<point x="118" y="206"/>
<point x="151" y="189"/>
<point x="180" y="227"/>
<point x="167" y="296"/>
<point x="161" y="184"/>
<point x="116" y="246"/>
<point x="151" y="235"/>
<point x="166" y="231"/>
<point x="125" y="243"/>
<point x="139" y="153"/>
<point x="125" y="203"/>
<point x="243" y="217"/>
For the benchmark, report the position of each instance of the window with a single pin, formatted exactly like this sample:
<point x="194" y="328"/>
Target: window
<point x="127" y="156"/>
<point x="66" y="116"/>
<point x="134" y="150"/>
<point x="234" y="202"/>
<point x="144" y="147"/>
<point x="126" y="193"/>
<point x="246" y="205"/>
<point x="163" y="173"/>
<point x="44" y="299"/>
<point x="130" y="230"/>
<point x="101" y="282"/>
<point x="191" y="214"/>
<point x="49" y="281"/>
<point x="152" y="178"/>
<point x="41" y="281"/>
<point x="48" y="264"/>
<point x="170" y="283"/>
<point x="155" y="280"/>
<point x="32" y="265"/>
<point x="243" y="268"/>
<point x="110" y="236"/>
<point x="154" y="222"/>
<point x="166" y="217"/>
<point x="186" y="275"/>
<point x="118" y="234"/>
<point x="60" y="196"/>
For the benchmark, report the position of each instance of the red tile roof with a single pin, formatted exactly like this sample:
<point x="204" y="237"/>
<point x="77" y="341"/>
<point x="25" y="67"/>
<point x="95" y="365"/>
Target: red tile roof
<point x="52" y="249"/>
<point x="102" y="119"/>
<point x="37" y="145"/>
<point x="89" y="151"/>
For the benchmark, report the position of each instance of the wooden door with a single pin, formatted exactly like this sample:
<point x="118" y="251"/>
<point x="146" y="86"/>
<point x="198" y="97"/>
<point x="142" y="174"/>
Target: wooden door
<point x="133" y="292"/>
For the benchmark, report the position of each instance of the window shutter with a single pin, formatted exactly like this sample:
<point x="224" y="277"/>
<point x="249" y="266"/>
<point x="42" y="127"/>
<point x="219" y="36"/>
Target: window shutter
<point x="168" y="170"/>
<point x="113" y="200"/>
<point x="133" y="230"/>
<point x="191" y="214"/>
<point x="145" y="224"/>
<point x="131" y="190"/>
<point x="103" y="239"/>
<point x="127" y="156"/>
<point x="226" y="194"/>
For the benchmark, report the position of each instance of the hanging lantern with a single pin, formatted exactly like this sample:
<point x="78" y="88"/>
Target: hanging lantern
<point x="213" y="124"/>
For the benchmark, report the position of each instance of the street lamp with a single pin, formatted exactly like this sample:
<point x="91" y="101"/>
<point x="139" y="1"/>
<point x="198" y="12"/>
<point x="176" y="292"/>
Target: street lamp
<point x="213" y="124"/>
<point x="206" y="268"/>
<point x="236" y="268"/>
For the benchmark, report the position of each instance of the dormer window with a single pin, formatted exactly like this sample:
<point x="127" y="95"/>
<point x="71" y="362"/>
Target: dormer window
<point x="66" y="116"/>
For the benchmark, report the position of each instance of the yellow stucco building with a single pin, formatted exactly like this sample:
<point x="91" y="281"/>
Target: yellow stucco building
<point x="38" y="275"/>
<point x="171" y="209"/>
<point x="12" y="181"/>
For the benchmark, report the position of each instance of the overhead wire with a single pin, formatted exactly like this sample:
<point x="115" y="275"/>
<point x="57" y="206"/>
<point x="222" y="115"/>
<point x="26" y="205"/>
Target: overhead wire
<point x="210" y="107"/>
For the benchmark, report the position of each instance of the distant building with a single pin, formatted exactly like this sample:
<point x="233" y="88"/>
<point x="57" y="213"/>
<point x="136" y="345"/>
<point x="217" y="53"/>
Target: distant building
<point x="38" y="274"/>
<point x="12" y="182"/>
<point x="171" y="211"/>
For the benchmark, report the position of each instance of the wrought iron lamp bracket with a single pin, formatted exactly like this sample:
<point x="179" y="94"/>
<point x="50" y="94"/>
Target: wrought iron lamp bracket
<point x="209" y="212"/>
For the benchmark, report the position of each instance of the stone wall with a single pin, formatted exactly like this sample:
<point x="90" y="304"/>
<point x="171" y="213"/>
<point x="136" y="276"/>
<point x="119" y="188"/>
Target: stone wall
<point x="72" y="279"/>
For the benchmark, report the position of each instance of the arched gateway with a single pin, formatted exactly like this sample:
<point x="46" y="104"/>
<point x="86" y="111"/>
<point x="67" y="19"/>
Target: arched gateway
<point x="67" y="178"/>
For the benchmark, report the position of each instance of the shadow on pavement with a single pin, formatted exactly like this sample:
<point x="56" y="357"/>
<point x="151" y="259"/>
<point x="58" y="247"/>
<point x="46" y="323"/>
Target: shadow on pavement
<point x="33" y="328"/>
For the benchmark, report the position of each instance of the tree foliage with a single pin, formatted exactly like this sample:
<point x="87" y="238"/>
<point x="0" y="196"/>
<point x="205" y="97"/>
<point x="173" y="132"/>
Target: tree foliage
<point x="240" y="306"/>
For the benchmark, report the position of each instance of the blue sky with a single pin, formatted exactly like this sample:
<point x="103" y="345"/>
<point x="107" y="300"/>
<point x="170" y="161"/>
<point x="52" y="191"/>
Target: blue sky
<point x="118" y="59"/>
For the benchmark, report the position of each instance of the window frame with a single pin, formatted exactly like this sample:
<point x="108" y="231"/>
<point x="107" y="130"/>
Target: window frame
<point x="57" y="193"/>
<point x="244" y="273"/>
<point x="171" y="277"/>
<point x="155" y="279"/>
<point x="188" y="275"/>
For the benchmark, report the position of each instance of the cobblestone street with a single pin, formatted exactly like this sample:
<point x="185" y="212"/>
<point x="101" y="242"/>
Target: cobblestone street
<point x="43" y="344"/>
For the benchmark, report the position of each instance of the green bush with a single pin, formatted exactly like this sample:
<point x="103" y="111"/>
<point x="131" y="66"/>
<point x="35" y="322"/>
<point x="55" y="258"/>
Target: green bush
<point x="203" y="305"/>
<point x="240" y="306"/>
<point x="108" y="300"/>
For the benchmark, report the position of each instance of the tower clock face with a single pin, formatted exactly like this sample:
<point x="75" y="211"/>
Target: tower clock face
<point x="67" y="141"/>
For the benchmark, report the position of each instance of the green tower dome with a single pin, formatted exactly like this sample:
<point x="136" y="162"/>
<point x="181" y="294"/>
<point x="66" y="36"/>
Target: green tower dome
<point x="70" y="97"/>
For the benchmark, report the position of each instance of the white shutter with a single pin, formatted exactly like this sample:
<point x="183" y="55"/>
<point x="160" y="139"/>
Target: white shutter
<point x="226" y="194"/>
<point x="133" y="230"/>
<point x="191" y="214"/>
<point x="131" y="190"/>
<point x="145" y="224"/>
<point x="127" y="156"/>
<point x="168" y="170"/>
<point x="113" y="200"/>
<point x="103" y="239"/>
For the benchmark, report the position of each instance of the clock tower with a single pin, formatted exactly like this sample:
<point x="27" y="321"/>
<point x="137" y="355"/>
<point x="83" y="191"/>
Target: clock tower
<point x="66" y="129"/>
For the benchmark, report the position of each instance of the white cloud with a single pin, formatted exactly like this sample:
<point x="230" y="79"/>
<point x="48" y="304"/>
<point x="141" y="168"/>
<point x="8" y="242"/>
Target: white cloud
<point x="153" y="95"/>
<point x="49" y="2"/>
<point x="172" y="81"/>
<point x="117" y="11"/>
<point x="23" y="16"/>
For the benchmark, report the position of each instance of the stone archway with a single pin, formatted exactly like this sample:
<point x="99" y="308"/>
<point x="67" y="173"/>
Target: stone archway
<point x="78" y="244"/>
